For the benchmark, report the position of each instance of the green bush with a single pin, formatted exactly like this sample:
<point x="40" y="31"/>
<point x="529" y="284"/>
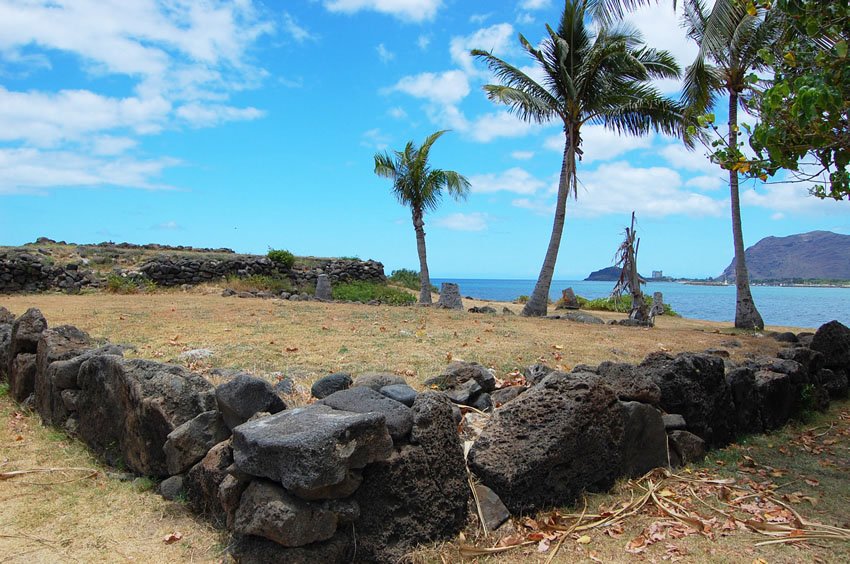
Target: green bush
<point x="367" y="291"/>
<point x="621" y="305"/>
<point x="523" y="299"/>
<point x="407" y="278"/>
<point x="281" y="257"/>
<point x="259" y="283"/>
<point x="117" y="284"/>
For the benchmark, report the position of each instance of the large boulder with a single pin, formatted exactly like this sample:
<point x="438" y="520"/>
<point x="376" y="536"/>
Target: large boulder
<point x="244" y="396"/>
<point x="457" y="374"/>
<point x="376" y="381"/>
<point x="450" y="296"/>
<point x="644" y="444"/>
<point x="776" y="398"/>
<point x="628" y="383"/>
<point x="250" y="549"/>
<point x="309" y="448"/>
<point x="420" y="493"/>
<point x="26" y="331"/>
<point x="323" y="387"/>
<point x="398" y="417"/>
<point x="60" y="381"/>
<point x="6" y="316"/>
<point x="557" y="439"/>
<point x="694" y="385"/>
<point x="5" y="349"/>
<point x="267" y="510"/>
<point x="127" y="408"/>
<point x="56" y="344"/>
<point x="22" y="371"/>
<point x="742" y="386"/>
<point x="833" y="341"/>
<point x="190" y="442"/>
<point x="203" y="481"/>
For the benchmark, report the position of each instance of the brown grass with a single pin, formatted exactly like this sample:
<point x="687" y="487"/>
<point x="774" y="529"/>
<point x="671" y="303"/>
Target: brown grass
<point x="102" y="519"/>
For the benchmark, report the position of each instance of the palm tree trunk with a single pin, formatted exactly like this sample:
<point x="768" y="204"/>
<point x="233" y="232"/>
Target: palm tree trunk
<point x="539" y="302"/>
<point x="746" y="314"/>
<point x="424" y="277"/>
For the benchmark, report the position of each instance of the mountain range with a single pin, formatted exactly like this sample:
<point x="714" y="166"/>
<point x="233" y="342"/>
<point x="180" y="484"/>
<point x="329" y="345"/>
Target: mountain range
<point x="815" y="255"/>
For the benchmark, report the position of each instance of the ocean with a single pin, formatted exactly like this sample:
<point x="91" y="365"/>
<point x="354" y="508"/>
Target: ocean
<point x="778" y="305"/>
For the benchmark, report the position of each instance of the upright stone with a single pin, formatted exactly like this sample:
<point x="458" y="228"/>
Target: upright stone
<point x="323" y="287"/>
<point x="657" y="304"/>
<point x="450" y="296"/>
<point x="568" y="300"/>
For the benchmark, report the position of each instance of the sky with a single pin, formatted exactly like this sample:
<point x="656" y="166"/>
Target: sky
<point x="253" y="125"/>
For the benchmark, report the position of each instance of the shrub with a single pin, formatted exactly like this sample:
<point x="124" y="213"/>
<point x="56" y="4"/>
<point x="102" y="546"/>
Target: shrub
<point x="409" y="279"/>
<point x="523" y="299"/>
<point x="259" y="283"/>
<point x="367" y="291"/>
<point x="621" y="305"/>
<point x="117" y="284"/>
<point x="281" y="257"/>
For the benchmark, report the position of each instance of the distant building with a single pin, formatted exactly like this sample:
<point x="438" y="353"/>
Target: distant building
<point x="656" y="274"/>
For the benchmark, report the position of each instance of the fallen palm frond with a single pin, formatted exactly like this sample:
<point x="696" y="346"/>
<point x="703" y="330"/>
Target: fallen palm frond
<point x="88" y="473"/>
<point x="677" y="497"/>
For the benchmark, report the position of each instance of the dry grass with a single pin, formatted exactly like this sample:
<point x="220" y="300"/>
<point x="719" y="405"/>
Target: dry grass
<point x="101" y="519"/>
<point x="86" y="518"/>
<point x="310" y="339"/>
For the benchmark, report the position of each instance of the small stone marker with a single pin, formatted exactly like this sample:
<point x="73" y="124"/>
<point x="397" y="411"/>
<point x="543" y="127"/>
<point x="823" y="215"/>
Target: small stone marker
<point x="450" y="296"/>
<point x="568" y="300"/>
<point x="657" y="304"/>
<point x="323" y="287"/>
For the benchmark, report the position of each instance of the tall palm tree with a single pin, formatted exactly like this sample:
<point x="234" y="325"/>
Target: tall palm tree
<point x="729" y="38"/>
<point x="417" y="185"/>
<point x="597" y="79"/>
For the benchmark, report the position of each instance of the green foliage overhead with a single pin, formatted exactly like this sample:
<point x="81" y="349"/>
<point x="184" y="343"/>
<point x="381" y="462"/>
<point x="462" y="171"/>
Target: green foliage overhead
<point x="365" y="292"/>
<point x="281" y="257"/>
<point x="804" y="110"/>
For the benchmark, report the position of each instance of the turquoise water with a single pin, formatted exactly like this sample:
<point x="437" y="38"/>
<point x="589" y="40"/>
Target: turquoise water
<point x="797" y="307"/>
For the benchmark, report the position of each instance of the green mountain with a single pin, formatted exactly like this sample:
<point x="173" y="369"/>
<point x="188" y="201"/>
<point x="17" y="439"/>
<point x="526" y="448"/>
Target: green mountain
<point x="816" y="255"/>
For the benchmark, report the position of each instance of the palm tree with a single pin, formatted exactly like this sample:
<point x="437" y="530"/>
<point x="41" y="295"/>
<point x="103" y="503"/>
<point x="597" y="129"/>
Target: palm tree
<point x="601" y="79"/>
<point x="417" y="185"/>
<point x="729" y="38"/>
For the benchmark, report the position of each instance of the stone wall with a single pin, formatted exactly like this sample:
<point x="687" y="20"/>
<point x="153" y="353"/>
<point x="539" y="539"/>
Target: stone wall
<point x="374" y="468"/>
<point x="24" y="271"/>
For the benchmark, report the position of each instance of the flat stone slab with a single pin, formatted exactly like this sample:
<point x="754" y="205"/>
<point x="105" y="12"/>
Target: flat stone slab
<point x="311" y="447"/>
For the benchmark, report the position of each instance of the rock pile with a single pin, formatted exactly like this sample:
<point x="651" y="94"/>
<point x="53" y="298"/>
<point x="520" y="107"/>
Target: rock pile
<point x="374" y="468"/>
<point x="28" y="272"/>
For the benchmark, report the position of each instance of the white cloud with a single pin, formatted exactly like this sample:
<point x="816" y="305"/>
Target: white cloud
<point x="619" y="188"/>
<point x="479" y="19"/>
<point x="447" y="87"/>
<point x="777" y="216"/>
<point x="423" y="41"/>
<point x="534" y="4"/>
<point x="397" y="112"/>
<point x="168" y="226"/>
<point x="492" y="126"/>
<point x="790" y="199"/>
<point x="475" y="221"/>
<point x="297" y="32"/>
<point x="516" y="180"/>
<point x="707" y="182"/>
<point x="523" y="155"/>
<point x="384" y="54"/>
<point x="375" y="138"/>
<point x="30" y="170"/>
<point x="407" y="10"/>
<point x="681" y="158"/>
<point x="601" y="144"/>
<point x="182" y="61"/>
<point x="497" y="39"/>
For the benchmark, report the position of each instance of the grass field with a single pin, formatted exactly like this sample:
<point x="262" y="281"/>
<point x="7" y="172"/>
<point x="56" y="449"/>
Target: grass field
<point x="103" y="519"/>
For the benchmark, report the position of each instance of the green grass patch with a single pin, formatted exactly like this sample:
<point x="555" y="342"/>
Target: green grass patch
<point x="117" y="284"/>
<point x="368" y="291"/>
<point x="621" y="305"/>
<point x="4" y="389"/>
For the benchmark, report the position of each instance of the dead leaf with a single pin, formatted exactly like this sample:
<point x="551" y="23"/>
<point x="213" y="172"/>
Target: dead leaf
<point x="173" y="537"/>
<point x="543" y="545"/>
<point x="291" y="349"/>
<point x="812" y="482"/>
<point x="584" y="539"/>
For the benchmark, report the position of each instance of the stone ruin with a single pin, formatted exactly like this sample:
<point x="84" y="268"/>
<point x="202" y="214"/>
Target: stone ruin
<point x="450" y="296"/>
<point x="374" y="467"/>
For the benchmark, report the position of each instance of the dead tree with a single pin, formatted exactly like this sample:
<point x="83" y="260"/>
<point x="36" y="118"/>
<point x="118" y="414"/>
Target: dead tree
<point x="630" y="280"/>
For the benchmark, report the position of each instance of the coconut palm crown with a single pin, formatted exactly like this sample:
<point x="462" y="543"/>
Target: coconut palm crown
<point x="420" y="187"/>
<point x="602" y="78"/>
<point x="729" y="37"/>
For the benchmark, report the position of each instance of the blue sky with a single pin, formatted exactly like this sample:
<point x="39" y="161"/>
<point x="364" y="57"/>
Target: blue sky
<point x="252" y="124"/>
